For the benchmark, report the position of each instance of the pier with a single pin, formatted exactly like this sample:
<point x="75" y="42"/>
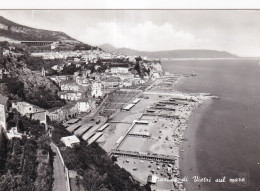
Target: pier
<point x="162" y="115"/>
<point x="145" y="156"/>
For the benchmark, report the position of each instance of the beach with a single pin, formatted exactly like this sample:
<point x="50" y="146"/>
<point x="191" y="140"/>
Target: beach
<point x="228" y="132"/>
<point x="188" y="162"/>
<point x="147" y="139"/>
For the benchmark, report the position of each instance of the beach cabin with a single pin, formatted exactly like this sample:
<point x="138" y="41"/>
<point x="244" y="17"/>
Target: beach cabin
<point x="152" y="179"/>
<point x="128" y="107"/>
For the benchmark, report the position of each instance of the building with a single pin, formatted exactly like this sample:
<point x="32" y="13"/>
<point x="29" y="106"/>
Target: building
<point x="119" y="70"/>
<point x="70" y="141"/>
<point x="127" y="83"/>
<point x="41" y="116"/>
<point x="69" y="86"/>
<point x="31" y="111"/>
<point x="97" y="89"/>
<point x="152" y="179"/>
<point x="83" y="105"/>
<point x="70" y="95"/>
<point x="13" y="133"/>
<point x="155" y="75"/>
<point x="25" y="108"/>
<point x="59" y="79"/>
<point x="64" y="113"/>
<point x="37" y="43"/>
<point x="112" y="82"/>
<point x="3" y="111"/>
<point x="43" y="72"/>
<point x="82" y="80"/>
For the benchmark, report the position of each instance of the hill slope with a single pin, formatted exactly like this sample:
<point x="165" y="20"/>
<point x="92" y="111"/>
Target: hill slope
<point x="14" y="31"/>
<point x="178" y="53"/>
<point x="107" y="47"/>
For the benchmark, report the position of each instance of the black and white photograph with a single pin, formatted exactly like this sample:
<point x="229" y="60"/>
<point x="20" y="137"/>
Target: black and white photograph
<point x="129" y="99"/>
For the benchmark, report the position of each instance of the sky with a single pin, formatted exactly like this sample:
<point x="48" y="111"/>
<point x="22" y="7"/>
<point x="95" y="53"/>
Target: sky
<point x="235" y="31"/>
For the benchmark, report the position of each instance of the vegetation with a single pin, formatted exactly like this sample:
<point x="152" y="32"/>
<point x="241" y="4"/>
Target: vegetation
<point x="139" y="67"/>
<point x="28" y="162"/>
<point x="23" y="84"/>
<point x="98" y="170"/>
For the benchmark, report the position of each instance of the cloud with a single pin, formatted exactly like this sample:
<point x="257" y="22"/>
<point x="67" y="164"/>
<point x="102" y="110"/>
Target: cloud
<point x="143" y="36"/>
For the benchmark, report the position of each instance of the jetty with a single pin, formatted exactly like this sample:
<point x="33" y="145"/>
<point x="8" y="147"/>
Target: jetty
<point x="145" y="156"/>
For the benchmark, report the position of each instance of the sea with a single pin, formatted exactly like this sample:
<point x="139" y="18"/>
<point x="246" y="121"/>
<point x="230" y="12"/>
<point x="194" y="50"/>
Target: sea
<point x="223" y="152"/>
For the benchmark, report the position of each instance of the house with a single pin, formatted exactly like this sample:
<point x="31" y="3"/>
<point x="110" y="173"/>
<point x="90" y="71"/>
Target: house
<point x="83" y="105"/>
<point x="69" y="85"/>
<point x="70" y="141"/>
<point x="59" y="79"/>
<point x="70" y="95"/>
<point x="97" y="89"/>
<point x="82" y="81"/>
<point x="155" y="75"/>
<point x="58" y="68"/>
<point x="64" y="113"/>
<point x="25" y="108"/>
<point x="31" y="111"/>
<point x="119" y="70"/>
<point x="13" y="133"/>
<point x="56" y="114"/>
<point x="127" y="83"/>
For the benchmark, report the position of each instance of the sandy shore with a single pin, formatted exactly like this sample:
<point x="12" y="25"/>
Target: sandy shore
<point x="188" y="162"/>
<point x="165" y="134"/>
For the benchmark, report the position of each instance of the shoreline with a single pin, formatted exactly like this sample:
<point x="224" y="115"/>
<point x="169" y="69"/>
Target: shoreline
<point x="164" y="133"/>
<point x="188" y="163"/>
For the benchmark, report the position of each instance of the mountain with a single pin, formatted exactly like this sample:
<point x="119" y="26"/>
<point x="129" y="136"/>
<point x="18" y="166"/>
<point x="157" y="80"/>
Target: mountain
<point x="15" y="32"/>
<point x="107" y="47"/>
<point x="169" y="53"/>
<point x="177" y="53"/>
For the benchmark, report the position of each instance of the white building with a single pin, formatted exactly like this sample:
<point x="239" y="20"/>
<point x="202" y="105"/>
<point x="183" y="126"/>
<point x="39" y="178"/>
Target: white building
<point x="70" y="95"/>
<point x="66" y="86"/>
<point x="155" y="75"/>
<point x="83" y="105"/>
<point x="23" y="107"/>
<point x="119" y="70"/>
<point x="31" y="111"/>
<point x="97" y="89"/>
<point x="13" y="133"/>
<point x="69" y="141"/>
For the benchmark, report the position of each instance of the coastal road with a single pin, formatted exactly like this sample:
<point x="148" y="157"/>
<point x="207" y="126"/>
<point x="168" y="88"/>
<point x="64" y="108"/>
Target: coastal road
<point x="59" y="175"/>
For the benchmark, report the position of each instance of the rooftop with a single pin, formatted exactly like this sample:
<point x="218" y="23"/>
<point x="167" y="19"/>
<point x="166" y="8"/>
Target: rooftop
<point x="70" y="140"/>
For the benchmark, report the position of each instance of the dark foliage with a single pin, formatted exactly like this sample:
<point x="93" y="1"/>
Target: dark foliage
<point x="97" y="169"/>
<point x="24" y="156"/>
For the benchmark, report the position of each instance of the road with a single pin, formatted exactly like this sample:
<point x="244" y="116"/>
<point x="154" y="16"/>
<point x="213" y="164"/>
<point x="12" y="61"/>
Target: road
<point x="59" y="175"/>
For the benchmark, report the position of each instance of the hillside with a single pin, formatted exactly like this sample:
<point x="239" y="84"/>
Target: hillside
<point x="169" y="53"/>
<point x="24" y="84"/>
<point x="107" y="47"/>
<point x="178" y="53"/>
<point x="14" y="31"/>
